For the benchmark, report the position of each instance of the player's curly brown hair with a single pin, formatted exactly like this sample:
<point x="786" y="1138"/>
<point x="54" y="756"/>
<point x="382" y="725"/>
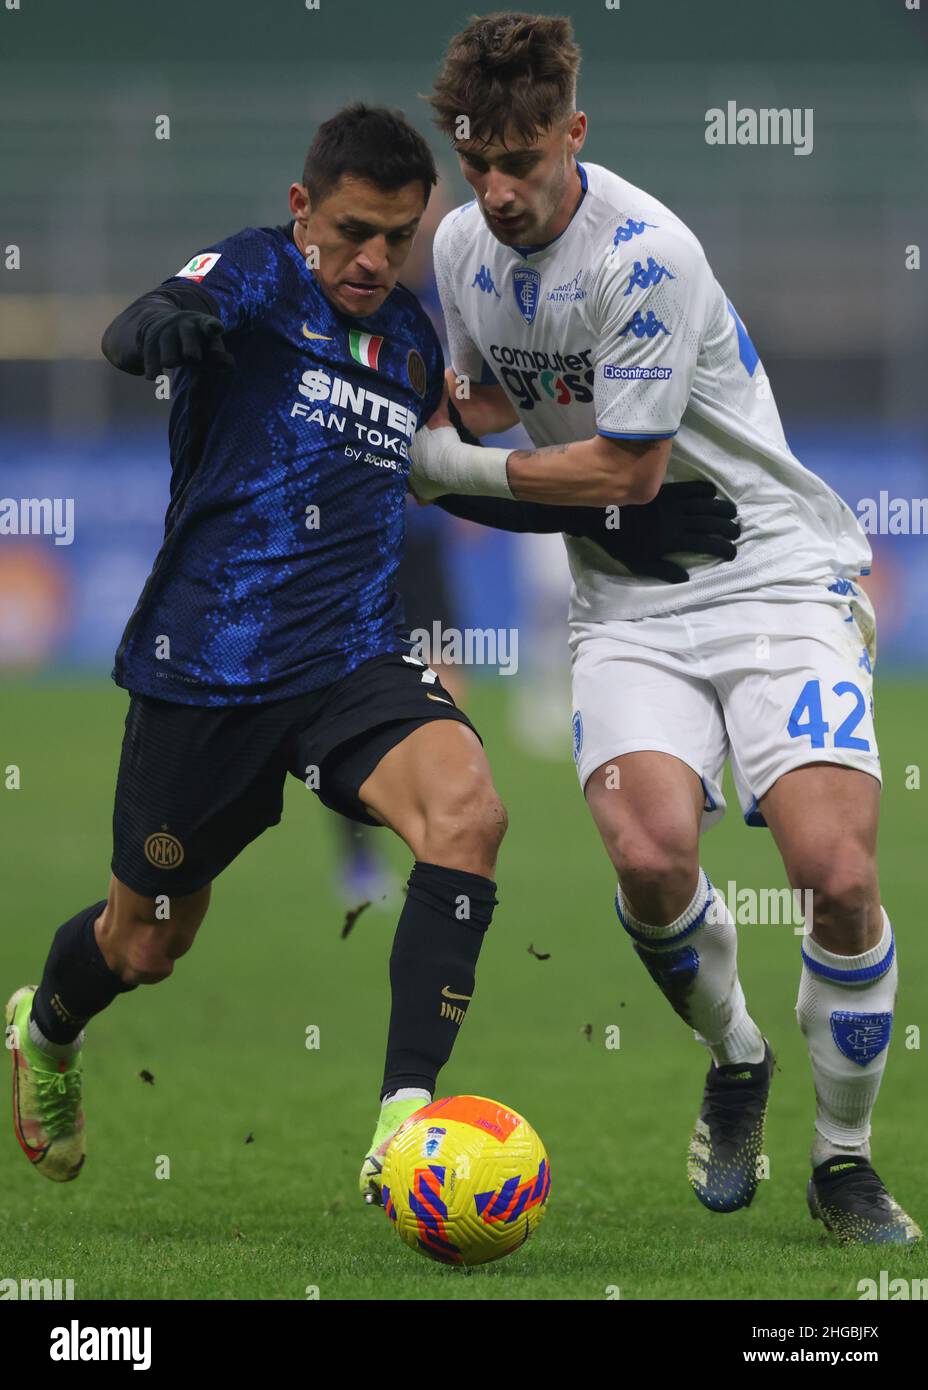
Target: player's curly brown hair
<point x="508" y="73"/>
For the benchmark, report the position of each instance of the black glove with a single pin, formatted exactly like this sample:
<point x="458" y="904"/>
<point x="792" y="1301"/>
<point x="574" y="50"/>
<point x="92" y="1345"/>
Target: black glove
<point x="464" y="434"/>
<point x="683" y="516"/>
<point x="183" y="338"/>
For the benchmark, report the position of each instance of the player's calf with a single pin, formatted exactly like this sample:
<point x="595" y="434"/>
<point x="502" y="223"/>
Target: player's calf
<point x="824" y="819"/>
<point x="140" y="938"/>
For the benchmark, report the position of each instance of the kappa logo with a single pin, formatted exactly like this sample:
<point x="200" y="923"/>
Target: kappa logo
<point x="648" y="327"/>
<point x="631" y="228"/>
<point x="526" y="286"/>
<point x="199" y="266"/>
<point x="644" y="276"/>
<point x="483" y="280"/>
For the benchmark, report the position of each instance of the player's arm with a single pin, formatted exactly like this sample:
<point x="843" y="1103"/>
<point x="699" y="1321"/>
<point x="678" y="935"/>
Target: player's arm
<point x="682" y="517"/>
<point x="647" y="313"/>
<point x="166" y="328"/>
<point x="182" y="322"/>
<point x="594" y="472"/>
<point x="485" y="410"/>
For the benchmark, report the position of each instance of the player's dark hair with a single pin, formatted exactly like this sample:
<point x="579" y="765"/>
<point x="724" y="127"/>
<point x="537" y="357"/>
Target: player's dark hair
<point x="508" y="73"/>
<point x="368" y="142"/>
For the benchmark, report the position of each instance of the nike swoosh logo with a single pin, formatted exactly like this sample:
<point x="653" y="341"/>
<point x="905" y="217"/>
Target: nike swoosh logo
<point x="446" y="991"/>
<point x="317" y="337"/>
<point x="440" y="701"/>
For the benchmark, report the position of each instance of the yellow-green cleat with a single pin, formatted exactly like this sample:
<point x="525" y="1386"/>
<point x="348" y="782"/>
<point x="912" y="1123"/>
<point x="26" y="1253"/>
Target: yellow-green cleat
<point x="392" y="1115"/>
<point x="47" y="1114"/>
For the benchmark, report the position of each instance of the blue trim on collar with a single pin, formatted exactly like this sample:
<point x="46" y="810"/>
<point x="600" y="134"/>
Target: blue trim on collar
<point x="615" y="434"/>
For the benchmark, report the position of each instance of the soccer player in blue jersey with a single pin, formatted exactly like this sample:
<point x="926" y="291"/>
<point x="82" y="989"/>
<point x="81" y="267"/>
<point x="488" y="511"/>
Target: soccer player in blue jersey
<point x="268" y="637"/>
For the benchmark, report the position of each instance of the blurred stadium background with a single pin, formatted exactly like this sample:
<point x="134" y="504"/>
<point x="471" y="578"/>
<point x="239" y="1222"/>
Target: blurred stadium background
<point x="812" y="252"/>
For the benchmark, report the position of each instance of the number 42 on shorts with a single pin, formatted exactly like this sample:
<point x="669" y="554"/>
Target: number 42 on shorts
<point x="808" y="718"/>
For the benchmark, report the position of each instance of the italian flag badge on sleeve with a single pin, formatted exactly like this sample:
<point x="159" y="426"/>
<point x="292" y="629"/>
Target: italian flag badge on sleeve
<point x="198" y="267"/>
<point x="364" y="348"/>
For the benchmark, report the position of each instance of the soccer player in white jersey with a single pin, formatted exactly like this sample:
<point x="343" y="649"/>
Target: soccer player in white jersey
<point x="612" y="342"/>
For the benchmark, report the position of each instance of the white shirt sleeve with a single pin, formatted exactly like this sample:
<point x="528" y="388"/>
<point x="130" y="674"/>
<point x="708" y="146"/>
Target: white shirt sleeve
<point x="650" y="311"/>
<point x="449" y="242"/>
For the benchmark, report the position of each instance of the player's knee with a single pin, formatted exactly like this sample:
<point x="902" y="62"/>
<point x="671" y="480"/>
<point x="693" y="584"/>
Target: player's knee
<point x="149" y="954"/>
<point x="657" y="873"/>
<point x="465" y="828"/>
<point x="143" y="966"/>
<point x="842" y="885"/>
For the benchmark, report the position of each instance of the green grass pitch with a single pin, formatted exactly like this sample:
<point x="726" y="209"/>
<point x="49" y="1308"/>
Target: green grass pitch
<point x="225" y="1041"/>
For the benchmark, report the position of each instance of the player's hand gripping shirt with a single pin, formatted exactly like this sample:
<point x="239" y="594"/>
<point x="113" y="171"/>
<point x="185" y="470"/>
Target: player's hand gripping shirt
<point x="619" y="327"/>
<point x="286" y="520"/>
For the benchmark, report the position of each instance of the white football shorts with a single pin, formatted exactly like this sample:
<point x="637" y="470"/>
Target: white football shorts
<point x="770" y="682"/>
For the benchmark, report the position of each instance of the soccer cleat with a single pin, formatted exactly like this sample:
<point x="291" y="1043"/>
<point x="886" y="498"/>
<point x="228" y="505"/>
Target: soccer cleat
<point x="47" y="1114"/>
<point x="392" y="1116"/>
<point x="849" y="1198"/>
<point x="728" y="1138"/>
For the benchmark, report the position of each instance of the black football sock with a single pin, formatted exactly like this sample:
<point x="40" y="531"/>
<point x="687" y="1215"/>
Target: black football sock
<point x="432" y="967"/>
<point x="77" y="982"/>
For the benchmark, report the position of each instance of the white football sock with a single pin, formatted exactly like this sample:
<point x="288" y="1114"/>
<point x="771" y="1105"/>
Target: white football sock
<point x="694" y="961"/>
<point x="845" y="1010"/>
<point x="407" y="1093"/>
<point x="66" y="1050"/>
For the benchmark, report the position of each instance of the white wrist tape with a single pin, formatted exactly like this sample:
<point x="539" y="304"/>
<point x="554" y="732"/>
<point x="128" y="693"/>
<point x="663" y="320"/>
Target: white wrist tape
<point x="442" y="463"/>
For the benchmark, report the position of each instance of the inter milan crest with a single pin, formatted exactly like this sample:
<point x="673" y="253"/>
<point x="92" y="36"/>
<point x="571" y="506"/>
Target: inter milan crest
<point x="415" y="370"/>
<point x="526" y="284"/>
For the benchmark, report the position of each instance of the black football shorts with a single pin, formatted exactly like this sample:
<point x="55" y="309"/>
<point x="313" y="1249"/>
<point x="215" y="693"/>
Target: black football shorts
<point x="197" y="784"/>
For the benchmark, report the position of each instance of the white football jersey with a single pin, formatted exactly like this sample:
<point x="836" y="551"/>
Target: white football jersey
<point x="619" y="327"/>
